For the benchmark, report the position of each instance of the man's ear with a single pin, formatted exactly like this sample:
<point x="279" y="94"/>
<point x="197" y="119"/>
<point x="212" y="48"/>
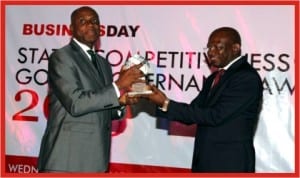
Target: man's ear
<point x="236" y="48"/>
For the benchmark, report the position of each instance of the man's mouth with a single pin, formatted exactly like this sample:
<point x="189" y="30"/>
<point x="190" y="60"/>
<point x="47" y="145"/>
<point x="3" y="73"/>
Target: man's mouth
<point x="92" y="32"/>
<point x="212" y="59"/>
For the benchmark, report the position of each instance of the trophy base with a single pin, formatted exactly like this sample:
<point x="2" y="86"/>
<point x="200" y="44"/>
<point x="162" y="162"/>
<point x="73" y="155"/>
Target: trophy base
<point x="133" y="93"/>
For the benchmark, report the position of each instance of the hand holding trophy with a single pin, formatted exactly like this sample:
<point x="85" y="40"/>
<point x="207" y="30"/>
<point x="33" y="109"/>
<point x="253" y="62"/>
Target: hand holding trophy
<point x="139" y="88"/>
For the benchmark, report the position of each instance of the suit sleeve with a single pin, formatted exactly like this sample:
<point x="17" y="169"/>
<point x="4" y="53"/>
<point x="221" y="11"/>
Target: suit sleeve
<point x="76" y="89"/>
<point x="241" y="92"/>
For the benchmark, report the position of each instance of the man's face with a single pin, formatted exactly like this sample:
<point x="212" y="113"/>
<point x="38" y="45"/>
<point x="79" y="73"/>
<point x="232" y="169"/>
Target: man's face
<point x="220" y="50"/>
<point x="85" y="27"/>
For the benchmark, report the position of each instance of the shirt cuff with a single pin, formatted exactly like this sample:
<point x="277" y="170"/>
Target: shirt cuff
<point x="116" y="89"/>
<point x="121" y="111"/>
<point x="165" y="106"/>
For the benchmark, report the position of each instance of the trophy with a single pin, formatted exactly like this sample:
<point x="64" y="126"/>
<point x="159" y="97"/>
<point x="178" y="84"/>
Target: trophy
<point x="139" y="88"/>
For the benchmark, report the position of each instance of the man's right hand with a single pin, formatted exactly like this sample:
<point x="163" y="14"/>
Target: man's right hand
<point x="157" y="96"/>
<point x="129" y="76"/>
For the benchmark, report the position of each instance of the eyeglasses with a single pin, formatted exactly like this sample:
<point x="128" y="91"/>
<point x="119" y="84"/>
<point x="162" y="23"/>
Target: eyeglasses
<point x="217" y="47"/>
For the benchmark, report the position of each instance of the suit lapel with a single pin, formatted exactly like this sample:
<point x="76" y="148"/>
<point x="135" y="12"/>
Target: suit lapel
<point x="101" y="63"/>
<point x="216" y="92"/>
<point x="86" y="63"/>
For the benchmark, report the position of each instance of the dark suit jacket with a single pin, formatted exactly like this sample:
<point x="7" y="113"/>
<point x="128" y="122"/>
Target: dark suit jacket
<point x="226" y="117"/>
<point x="81" y="107"/>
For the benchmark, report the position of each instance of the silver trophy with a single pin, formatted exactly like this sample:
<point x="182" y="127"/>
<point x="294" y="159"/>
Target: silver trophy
<point x="139" y="88"/>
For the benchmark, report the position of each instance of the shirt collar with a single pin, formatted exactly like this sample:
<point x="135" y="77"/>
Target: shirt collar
<point x="84" y="47"/>
<point x="233" y="61"/>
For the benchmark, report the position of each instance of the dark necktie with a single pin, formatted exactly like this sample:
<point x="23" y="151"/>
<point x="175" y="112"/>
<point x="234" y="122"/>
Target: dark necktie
<point x="93" y="57"/>
<point x="218" y="77"/>
<point x="94" y="61"/>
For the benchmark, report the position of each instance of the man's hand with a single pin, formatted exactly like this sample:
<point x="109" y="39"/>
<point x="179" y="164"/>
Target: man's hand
<point x="157" y="96"/>
<point x="129" y="76"/>
<point x="128" y="100"/>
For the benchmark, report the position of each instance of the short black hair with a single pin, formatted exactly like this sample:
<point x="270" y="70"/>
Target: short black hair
<point x="76" y="11"/>
<point x="231" y="32"/>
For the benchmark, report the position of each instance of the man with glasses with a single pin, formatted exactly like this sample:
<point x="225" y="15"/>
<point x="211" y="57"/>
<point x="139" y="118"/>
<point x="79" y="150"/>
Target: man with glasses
<point x="225" y="111"/>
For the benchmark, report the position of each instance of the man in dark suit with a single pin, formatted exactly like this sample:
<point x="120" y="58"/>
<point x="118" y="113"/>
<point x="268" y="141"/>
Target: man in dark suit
<point x="225" y="111"/>
<point x="83" y="101"/>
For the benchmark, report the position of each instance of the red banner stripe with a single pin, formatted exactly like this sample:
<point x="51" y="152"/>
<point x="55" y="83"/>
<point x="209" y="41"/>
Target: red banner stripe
<point x="24" y="164"/>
